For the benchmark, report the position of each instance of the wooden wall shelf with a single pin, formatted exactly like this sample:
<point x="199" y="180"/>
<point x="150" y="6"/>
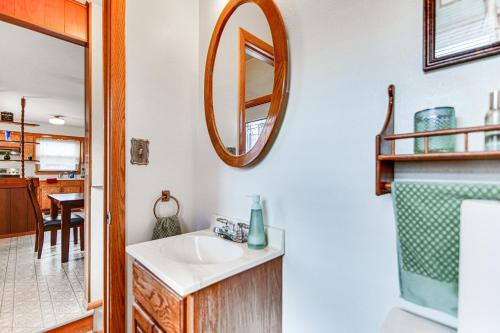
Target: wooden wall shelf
<point x="18" y="123"/>
<point x="441" y="156"/>
<point x="386" y="156"/>
<point x="22" y="138"/>
<point x="25" y="142"/>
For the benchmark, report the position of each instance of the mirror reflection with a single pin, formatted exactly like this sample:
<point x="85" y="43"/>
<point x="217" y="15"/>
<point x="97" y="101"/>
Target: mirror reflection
<point x="243" y="79"/>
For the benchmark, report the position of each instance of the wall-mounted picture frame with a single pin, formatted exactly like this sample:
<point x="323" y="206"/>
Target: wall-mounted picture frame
<point x="458" y="31"/>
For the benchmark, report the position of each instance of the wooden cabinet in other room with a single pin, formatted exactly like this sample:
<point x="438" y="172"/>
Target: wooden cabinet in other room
<point x="62" y="186"/>
<point x="65" y="19"/>
<point x="17" y="216"/>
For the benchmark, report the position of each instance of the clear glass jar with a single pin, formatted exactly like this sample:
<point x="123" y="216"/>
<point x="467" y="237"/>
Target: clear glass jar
<point x="492" y="139"/>
<point x="432" y="120"/>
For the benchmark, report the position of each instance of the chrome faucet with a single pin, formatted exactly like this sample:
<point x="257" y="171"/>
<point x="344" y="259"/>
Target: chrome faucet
<point x="236" y="232"/>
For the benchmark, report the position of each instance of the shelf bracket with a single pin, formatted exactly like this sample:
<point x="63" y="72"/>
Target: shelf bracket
<point x="385" y="169"/>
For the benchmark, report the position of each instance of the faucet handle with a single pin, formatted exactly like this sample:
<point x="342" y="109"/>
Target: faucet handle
<point x="222" y="220"/>
<point x="242" y="232"/>
<point x="227" y="224"/>
<point x="243" y="226"/>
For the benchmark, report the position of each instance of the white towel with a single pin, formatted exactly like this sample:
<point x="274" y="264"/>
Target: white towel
<point x="479" y="291"/>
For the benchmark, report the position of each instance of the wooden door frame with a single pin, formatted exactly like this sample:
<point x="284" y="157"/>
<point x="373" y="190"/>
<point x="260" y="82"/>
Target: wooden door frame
<point x="264" y="52"/>
<point x="115" y="270"/>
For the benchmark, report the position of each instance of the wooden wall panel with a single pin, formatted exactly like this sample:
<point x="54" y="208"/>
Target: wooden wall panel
<point x="32" y="11"/>
<point x="167" y="308"/>
<point x="248" y="302"/>
<point x="31" y="218"/>
<point x="7" y="7"/>
<point x="63" y="19"/>
<point x="54" y="15"/>
<point x="18" y="210"/>
<point x="75" y="22"/>
<point x="4" y="211"/>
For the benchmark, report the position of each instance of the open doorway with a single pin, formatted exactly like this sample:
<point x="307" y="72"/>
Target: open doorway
<point x="51" y="243"/>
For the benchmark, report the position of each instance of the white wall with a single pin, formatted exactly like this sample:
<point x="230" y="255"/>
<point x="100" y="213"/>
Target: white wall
<point x="162" y="98"/>
<point x="96" y="182"/>
<point x="340" y="272"/>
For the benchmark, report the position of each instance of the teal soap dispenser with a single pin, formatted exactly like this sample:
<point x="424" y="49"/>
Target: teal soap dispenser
<point x="257" y="239"/>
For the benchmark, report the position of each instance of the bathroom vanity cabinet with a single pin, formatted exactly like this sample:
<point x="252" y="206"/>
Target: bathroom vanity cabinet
<point x="250" y="301"/>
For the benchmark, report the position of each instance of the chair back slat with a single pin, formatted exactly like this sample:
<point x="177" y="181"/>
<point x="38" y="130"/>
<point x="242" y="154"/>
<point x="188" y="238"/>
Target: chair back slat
<point x="34" y="201"/>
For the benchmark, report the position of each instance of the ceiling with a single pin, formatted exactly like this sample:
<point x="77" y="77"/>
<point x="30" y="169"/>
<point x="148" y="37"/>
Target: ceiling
<point x="49" y="72"/>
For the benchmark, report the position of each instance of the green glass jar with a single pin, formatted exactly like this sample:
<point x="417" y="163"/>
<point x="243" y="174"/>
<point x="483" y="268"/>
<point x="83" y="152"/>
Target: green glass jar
<point x="432" y="120"/>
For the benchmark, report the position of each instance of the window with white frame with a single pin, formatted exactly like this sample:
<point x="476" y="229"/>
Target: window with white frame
<point x="253" y="132"/>
<point x="58" y="155"/>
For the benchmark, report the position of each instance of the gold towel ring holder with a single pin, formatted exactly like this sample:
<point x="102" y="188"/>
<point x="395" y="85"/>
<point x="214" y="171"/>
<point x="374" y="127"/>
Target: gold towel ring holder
<point x="166" y="197"/>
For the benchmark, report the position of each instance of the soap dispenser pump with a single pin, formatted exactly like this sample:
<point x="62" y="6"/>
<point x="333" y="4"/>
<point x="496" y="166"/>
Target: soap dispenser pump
<point x="257" y="235"/>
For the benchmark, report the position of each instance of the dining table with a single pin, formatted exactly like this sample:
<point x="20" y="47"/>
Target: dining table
<point x="66" y="202"/>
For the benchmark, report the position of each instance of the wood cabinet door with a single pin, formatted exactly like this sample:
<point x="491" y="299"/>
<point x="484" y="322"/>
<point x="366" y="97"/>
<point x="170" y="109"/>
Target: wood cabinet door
<point x="142" y="322"/>
<point x="162" y="304"/>
<point x="54" y="15"/>
<point x="32" y="11"/>
<point x="18" y="210"/>
<point x="4" y="211"/>
<point x="75" y="19"/>
<point x="72" y="189"/>
<point x="7" y="7"/>
<point x="44" y="192"/>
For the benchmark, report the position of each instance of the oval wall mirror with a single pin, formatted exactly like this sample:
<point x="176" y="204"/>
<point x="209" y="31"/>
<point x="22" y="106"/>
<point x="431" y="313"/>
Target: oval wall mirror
<point x="246" y="79"/>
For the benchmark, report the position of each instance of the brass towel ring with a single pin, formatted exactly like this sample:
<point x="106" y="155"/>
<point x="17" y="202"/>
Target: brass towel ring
<point x="166" y="197"/>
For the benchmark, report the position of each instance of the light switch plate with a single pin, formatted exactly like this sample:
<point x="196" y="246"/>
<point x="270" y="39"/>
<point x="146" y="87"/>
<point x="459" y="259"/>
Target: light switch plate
<point x="139" y="152"/>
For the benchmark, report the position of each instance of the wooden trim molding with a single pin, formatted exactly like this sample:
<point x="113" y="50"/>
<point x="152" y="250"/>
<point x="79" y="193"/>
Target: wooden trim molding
<point x="115" y="269"/>
<point x="260" y="47"/>
<point x="87" y="159"/>
<point x="18" y="234"/>
<point x="280" y="86"/>
<point x="94" y="305"/>
<point x="264" y="52"/>
<point x="83" y="325"/>
<point x="258" y="101"/>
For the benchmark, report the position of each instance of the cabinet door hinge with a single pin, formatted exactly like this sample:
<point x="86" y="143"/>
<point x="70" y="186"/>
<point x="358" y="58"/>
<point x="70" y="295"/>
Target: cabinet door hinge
<point x="108" y="217"/>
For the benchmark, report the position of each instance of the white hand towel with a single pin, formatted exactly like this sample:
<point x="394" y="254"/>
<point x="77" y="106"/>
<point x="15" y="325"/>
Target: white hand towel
<point x="479" y="287"/>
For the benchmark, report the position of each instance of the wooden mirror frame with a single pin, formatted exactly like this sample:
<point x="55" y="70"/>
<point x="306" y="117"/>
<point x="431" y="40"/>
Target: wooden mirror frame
<point x="280" y="86"/>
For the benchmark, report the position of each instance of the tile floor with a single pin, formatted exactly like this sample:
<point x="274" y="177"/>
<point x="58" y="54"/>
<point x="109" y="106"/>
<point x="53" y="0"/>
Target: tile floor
<point x="35" y="293"/>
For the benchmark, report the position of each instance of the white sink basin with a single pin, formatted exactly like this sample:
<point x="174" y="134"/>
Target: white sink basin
<point x="200" y="250"/>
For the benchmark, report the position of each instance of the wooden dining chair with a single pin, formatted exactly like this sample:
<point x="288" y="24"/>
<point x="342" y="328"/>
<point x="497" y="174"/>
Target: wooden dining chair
<point x="47" y="223"/>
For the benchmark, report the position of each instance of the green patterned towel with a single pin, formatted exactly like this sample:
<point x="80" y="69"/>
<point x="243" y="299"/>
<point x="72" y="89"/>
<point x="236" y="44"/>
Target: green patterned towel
<point x="428" y="226"/>
<point x="167" y="227"/>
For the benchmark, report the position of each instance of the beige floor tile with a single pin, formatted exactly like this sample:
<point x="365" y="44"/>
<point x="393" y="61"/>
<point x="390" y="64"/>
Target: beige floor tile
<point x="66" y="307"/>
<point x="32" y="289"/>
<point x="26" y="329"/>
